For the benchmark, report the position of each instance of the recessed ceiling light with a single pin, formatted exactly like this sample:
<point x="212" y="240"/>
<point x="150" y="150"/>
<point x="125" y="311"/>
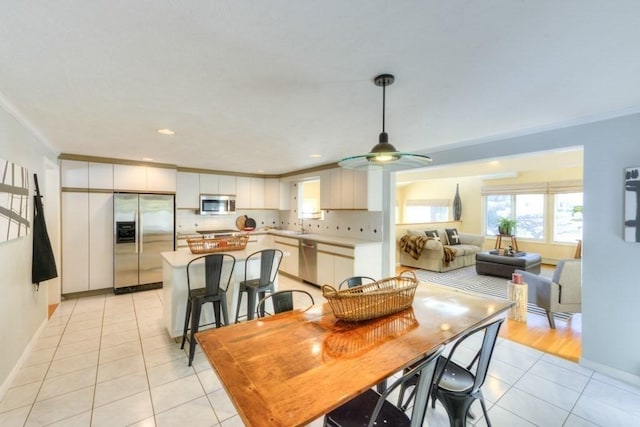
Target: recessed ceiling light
<point x="315" y="156"/>
<point x="166" y="131"/>
<point x="260" y="170"/>
<point x="147" y="159"/>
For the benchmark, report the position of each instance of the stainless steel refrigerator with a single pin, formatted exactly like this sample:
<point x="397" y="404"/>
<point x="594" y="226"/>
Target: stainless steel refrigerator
<point x="143" y="228"/>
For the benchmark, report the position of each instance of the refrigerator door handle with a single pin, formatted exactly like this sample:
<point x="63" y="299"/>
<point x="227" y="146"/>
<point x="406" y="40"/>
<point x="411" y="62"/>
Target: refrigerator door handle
<point x="138" y="244"/>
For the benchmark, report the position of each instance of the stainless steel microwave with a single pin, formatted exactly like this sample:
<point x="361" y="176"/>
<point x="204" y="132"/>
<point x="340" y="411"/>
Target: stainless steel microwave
<point x="217" y="204"/>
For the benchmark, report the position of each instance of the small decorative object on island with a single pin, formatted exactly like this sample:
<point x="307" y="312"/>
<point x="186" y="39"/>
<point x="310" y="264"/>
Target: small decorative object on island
<point x="506" y="226"/>
<point x="457" y="206"/>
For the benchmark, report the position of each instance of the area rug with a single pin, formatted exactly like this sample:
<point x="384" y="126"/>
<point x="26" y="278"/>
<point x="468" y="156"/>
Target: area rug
<point x="467" y="279"/>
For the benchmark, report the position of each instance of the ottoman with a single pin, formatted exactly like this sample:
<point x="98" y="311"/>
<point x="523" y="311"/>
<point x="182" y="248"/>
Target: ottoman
<point x="504" y="266"/>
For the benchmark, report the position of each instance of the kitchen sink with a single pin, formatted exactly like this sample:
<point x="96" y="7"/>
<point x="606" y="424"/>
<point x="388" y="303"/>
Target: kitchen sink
<point x="296" y="232"/>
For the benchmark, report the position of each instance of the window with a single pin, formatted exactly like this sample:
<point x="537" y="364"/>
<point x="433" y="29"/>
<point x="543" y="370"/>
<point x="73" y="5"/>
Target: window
<point x="418" y="211"/>
<point x="526" y="209"/>
<point x="309" y="200"/>
<point x="567" y="217"/>
<point x="543" y="211"/>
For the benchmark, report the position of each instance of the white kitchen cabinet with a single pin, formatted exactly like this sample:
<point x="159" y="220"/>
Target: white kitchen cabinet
<point x="209" y="183"/>
<point x="74" y="174"/>
<point x="87" y="241"/>
<point x="243" y="192"/>
<point x="188" y="190"/>
<point x="101" y="176"/>
<point x="161" y="179"/>
<point x="335" y="188"/>
<point x="346" y="188"/>
<point x="100" y="241"/>
<point x="249" y="193"/>
<point x="350" y="189"/>
<point x="271" y="193"/>
<point x="257" y="193"/>
<point x="335" y="263"/>
<point x="227" y="184"/>
<point x="75" y="242"/>
<point x="129" y="177"/>
<point x="325" y="269"/>
<point x="143" y="178"/>
<point x="285" y="196"/>
<point x="289" y="247"/>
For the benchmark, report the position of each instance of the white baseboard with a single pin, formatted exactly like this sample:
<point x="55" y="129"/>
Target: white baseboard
<point x="611" y="372"/>
<point x="4" y="387"/>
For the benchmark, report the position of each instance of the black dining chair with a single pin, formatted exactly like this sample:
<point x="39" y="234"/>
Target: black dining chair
<point x="354" y="281"/>
<point x="372" y="408"/>
<point x="218" y="270"/>
<point x="456" y="386"/>
<point x="269" y="260"/>
<point x="284" y="301"/>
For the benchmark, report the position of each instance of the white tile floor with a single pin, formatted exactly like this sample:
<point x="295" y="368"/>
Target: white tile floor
<point x="107" y="360"/>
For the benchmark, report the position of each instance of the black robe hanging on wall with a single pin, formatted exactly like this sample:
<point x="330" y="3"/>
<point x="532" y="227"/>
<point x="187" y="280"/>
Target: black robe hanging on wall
<point x="43" y="266"/>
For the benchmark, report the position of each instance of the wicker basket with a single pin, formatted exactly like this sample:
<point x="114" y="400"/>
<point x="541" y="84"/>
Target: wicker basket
<point x="372" y="300"/>
<point x="221" y="244"/>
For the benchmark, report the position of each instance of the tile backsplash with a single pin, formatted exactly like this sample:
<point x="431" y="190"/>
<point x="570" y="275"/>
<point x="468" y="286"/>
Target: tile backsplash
<point x="363" y="225"/>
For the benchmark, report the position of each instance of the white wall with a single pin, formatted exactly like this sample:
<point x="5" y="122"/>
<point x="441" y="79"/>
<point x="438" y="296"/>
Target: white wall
<point x="611" y="271"/>
<point x="22" y="310"/>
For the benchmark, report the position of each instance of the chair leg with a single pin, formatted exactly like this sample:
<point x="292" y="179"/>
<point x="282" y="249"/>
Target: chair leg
<point x="216" y="313"/>
<point x="251" y="302"/>
<point x="552" y="322"/>
<point x="225" y="315"/>
<point x="484" y="409"/>
<point x="195" y="324"/>
<point x="238" y="305"/>
<point x="187" y="314"/>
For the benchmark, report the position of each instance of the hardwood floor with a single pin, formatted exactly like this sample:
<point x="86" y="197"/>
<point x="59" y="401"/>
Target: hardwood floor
<point x="565" y="341"/>
<point x="52" y="309"/>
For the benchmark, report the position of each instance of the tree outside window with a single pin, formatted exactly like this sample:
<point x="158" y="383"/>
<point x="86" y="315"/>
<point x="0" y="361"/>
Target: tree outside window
<point x="567" y="217"/>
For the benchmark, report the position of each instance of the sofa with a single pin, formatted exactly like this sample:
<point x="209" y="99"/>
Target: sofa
<point x="437" y="252"/>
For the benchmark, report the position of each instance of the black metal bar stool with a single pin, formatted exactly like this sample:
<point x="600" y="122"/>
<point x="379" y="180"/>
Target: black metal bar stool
<point x="218" y="270"/>
<point x="269" y="263"/>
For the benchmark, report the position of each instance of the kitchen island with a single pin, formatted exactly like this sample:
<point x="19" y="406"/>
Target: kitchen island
<point x="174" y="295"/>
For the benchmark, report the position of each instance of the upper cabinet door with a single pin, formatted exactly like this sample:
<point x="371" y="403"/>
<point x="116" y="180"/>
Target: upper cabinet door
<point x="188" y="190"/>
<point x="257" y="193"/>
<point x="209" y="183"/>
<point x="161" y="179"/>
<point x="143" y="178"/>
<point x="101" y="175"/>
<point x="271" y="193"/>
<point x="243" y="192"/>
<point x="129" y="177"/>
<point x="74" y="174"/>
<point x="227" y="184"/>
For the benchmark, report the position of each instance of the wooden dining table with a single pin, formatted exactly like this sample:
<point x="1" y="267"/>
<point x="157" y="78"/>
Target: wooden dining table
<point x="291" y="368"/>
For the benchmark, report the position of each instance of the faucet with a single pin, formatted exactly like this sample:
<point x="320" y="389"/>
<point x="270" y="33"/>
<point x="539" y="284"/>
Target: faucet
<point x="302" y="225"/>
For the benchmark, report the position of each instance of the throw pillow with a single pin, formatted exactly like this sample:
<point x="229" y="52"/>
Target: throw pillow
<point x="432" y="233"/>
<point x="452" y="236"/>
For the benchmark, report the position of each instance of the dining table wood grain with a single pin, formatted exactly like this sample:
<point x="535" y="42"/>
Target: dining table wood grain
<point x="291" y="368"/>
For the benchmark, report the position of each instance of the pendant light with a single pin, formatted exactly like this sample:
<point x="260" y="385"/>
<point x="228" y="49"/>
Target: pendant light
<point x="383" y="154"/>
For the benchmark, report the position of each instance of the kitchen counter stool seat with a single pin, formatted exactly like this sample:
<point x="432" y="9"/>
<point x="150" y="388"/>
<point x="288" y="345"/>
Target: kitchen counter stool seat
<point x="258" y="287"/>
<point x="217" y="277"/>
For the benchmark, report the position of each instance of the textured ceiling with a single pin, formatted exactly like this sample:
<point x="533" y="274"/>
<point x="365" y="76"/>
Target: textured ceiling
<point x="259" y="86"/>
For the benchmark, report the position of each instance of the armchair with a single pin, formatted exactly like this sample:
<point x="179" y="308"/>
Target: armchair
<point x="562" y="293"/>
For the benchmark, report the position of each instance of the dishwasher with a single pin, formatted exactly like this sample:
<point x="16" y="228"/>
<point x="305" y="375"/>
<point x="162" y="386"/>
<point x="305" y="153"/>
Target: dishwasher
<point x="308" y="261"/>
